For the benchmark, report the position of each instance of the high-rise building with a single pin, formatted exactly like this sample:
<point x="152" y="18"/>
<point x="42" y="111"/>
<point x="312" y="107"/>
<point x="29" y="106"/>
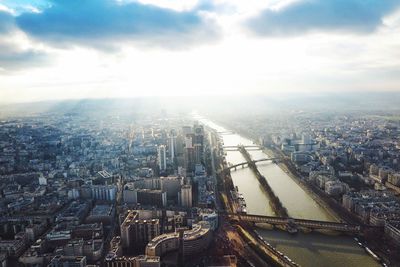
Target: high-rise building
<point x="198" y="144"/>
<point x="162" y="158"/>
<point x="198" y="153"/>
<point x="189" y="153"/>
<point x="171" y="185"/>
<point x="172" y="145"/>
<point x="146" y="192"/>
<point x="136" y="233"/>
<point x="186" y="196"/>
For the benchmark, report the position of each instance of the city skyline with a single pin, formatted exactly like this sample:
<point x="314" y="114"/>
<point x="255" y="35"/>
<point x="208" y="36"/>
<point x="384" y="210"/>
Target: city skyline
<point x="99" y="49"/>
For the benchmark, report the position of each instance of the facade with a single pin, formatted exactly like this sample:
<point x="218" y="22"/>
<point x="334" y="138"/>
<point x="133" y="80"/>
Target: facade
<point x="162" y="158"/>
<point x="13" y="248"/>
<point x="198" y="144"/>
<point x="101" y="214"/>
<point x="136" y="233"/>
<point x="151" y="197"/>
<point x="163" y="244"/>
<point x="68" y="261"/>
<point x="129" y="194"/>
<point x="196" y="239"/>
<point x="138" y="261"/>
<point x="186" y="196"/>
<point x="104" y="192"/>
<point x="193" y="240"/>
<point x="172" y="146"/>
<point x="171" y="185"/>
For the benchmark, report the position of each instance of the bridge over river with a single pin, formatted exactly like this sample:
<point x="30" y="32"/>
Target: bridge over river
<point x="310" y="224"/>
<point x="246" y="164"/>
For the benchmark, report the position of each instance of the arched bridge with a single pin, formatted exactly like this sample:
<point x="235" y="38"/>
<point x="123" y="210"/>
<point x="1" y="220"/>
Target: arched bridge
<point x="311" y="224"/>
<point x="245" y="164"/>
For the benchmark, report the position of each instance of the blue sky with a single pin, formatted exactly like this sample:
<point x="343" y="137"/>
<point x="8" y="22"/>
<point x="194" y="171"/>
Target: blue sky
<point x="56" y="49"/>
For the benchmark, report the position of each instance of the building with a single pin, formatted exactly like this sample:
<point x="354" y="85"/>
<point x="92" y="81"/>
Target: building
<point x="193" y="241"/>
<point x="162" y="158"/>
<point x="138" y="261"/>
<point x="75" y="213"/>
<point x="196" y="239"/>
<point x="335" y="188"/>
<point x="394" y="179"/>
<point x="104" y="192"/>
<point x="163" y="244"/>
<point x="58" y="238"/>
<point x="129" y="194"/>
<point x="42" y="180"/>
<point x="151" y="197"/>
<point x="171" y="185"/>
<point x="198" y="144"/>
<point x="91" y="249"/>
<point x="172" y="146"/>
<point x="14" y="248"/>
<point x="101" y="214"/>
<point x="300" y="157"/>
<point x="186" y="196"/>
<point x="88" y="231"/>
<point x="136" y="233"/>
<point x="211" y="217"/>
<point x="68" y="261"/>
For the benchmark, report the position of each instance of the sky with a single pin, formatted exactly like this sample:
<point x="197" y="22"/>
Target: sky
<point x="63" y="49"/>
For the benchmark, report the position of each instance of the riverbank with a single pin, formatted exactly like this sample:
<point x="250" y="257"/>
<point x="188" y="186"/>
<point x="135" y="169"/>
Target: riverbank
<point x="334" y="216"/>
<point x="307" y="248"/>
<point x="298" y="180"/>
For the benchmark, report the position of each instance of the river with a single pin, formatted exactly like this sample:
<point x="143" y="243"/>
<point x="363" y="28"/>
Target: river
<point x="307" y="249"/>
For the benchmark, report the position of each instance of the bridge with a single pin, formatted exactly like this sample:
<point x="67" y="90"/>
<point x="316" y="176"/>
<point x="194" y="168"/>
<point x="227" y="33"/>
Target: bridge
<point x="226" y="133"/>
<point x="245" y="164"/>
<point x="310" y="224"/>
<point x="238" y="147"/>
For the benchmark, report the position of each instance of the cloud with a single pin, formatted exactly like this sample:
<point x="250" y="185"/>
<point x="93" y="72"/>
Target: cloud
<point x="103" y="22"/>
<point x="13" y="57"/>
<point x="6" y="22"/>
<point x="358" y="16"/>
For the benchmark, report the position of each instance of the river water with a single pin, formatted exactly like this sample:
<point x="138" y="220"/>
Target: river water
<point x="306" y="249"/>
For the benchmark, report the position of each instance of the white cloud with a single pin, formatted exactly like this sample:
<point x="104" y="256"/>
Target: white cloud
<point x="238" y="64"/>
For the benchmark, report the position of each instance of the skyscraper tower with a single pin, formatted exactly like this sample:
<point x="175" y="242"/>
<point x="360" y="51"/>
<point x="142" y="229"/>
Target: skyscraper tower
<point x="162" y="158"/>
<point x="172" y="145"/>
<point x="198" y="144"/>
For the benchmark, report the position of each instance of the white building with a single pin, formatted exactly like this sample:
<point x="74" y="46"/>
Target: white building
<point x="42" y="180"/>
<point x="172" y="146"/>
